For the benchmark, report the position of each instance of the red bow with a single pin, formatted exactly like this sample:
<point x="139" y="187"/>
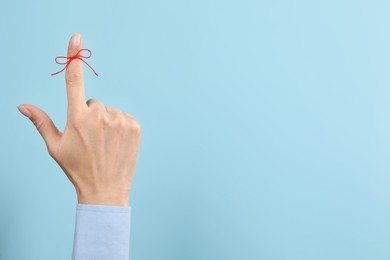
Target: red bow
<point x="69" y="60"/>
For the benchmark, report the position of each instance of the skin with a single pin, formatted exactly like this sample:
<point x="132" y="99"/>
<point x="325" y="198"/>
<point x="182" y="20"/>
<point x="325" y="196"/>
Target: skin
<point x="98" y="149"/>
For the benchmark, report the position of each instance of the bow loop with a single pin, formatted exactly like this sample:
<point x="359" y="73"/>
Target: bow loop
<point x="62" y="60"/>
<point x="82" y="56"/>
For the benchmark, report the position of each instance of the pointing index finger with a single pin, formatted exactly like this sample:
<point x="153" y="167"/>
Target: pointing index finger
<point x="74" y="77"/>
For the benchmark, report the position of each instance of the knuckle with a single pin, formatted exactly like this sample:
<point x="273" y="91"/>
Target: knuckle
<point x="123" y="121"/>
<point x="136" y="127"/>
<point x="40" y="125"/>
<point x="118" y="120"/>
<point x="130" y="116"/>
<point x="105" y="121"/>
<point x="73" y="77"/>
<point x="113" y="110"/>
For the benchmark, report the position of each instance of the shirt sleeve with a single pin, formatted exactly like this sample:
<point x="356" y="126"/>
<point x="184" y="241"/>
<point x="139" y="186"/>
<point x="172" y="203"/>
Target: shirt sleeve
<point x="102" y="232"/>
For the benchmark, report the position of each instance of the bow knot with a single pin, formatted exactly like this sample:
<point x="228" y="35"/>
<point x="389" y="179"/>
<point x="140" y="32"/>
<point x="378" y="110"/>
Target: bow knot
<point x="63" y="60"/>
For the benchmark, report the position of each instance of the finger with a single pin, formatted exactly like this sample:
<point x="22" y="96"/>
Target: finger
<point x="130" y="116"/>
<point x="112" y="110"/>
<point x="45" y="126"/>
<point x="95" y="104"/>
<point x="75" y="77"/>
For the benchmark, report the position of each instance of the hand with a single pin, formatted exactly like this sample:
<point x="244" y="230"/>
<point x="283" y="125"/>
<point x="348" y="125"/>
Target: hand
<point x="98" y="149"/>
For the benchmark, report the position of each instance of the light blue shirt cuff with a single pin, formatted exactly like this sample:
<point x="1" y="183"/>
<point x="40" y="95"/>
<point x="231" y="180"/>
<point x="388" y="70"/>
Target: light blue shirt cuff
<point x="102" y="232"/>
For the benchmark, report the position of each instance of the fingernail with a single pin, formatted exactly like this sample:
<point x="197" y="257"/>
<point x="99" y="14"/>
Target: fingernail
<point x="76" y="39"/>
<point x="24" y="111"/>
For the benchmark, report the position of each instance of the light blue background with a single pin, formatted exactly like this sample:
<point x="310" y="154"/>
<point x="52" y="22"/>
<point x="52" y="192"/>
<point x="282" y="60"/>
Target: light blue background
<point x="266" y="125"/>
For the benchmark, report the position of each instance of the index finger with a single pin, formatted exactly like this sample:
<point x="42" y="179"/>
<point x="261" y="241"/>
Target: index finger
<point x="75" y="77"/>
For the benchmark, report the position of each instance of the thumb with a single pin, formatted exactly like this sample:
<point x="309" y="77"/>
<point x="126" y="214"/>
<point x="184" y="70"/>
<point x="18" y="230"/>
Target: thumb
<point x="44" y="125"/>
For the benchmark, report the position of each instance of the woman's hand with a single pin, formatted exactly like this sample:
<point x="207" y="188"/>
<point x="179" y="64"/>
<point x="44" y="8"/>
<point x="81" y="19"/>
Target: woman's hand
<point x="98" y="150"/>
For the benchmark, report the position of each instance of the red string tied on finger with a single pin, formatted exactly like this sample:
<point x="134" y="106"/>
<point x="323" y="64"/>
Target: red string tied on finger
<point x="67" y="60"/>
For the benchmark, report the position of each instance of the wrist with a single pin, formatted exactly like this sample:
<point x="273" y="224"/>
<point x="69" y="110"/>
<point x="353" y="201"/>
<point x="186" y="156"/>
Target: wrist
<point x="104" y="199"/>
